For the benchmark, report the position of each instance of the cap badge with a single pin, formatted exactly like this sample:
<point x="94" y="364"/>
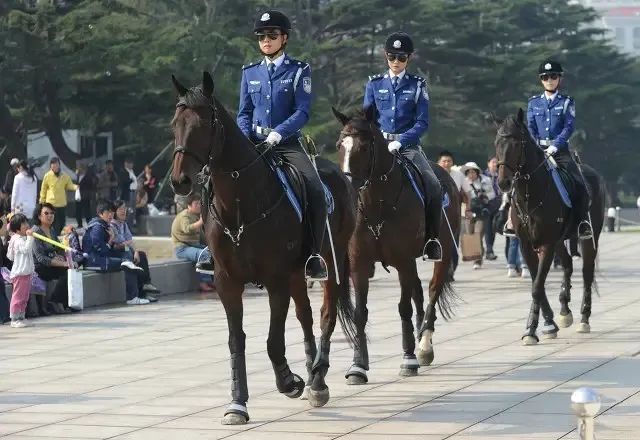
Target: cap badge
<point x="265" y="17"/>
<point x="397" y="44"/>
<point x="547" y="66"/>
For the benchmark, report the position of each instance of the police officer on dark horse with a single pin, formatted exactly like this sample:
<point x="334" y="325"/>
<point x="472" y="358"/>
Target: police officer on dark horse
<point x="550" y="119"/>
<point x="402" y="126"/>
<point x="277" y="117"/>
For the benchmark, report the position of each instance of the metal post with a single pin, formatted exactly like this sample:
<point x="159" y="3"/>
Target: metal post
<point x="618" y="218"/>
<point x="585" y="403"/>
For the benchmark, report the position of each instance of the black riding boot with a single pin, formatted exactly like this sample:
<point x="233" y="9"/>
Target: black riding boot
<point x="316" y="209"/>
<point x="433" y="202"/>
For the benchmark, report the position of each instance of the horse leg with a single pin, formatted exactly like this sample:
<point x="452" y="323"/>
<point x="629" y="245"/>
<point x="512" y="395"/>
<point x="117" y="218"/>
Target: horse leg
<point x="231" y="296"/>
<point x="588" y="275"/>
<point x="304" y="314"/>
<point x="566" y="317"/>
<point x="288" y="383"/>
<point x="407" y="274"/>
<point x="529" y="254"/>
<point x="545" y="254"/>
<point x="417" y="294"/>
<point x="357" y="372"/>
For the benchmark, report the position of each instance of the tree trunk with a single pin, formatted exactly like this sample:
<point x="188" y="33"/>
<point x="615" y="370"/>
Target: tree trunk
<point x="11" y="132"/>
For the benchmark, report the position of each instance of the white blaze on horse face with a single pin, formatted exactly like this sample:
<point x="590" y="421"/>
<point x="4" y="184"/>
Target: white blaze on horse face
<point x="347" y="144"/>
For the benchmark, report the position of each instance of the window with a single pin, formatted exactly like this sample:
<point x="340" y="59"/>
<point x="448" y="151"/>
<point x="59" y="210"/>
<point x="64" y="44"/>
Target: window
<point x="619" y="37"/>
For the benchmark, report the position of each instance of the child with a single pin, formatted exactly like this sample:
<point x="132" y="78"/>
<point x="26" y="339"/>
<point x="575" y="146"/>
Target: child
<point x="21" y="253"/>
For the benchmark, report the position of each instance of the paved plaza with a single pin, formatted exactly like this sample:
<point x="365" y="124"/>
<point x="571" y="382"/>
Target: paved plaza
<point x="162" y="372"/>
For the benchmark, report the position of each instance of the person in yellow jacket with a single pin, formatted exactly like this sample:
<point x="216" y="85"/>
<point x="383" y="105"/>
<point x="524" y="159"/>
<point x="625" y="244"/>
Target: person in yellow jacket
<point x="55" y="185"/>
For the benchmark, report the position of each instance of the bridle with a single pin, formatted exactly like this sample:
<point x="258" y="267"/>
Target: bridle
<point x="204" y="176"/>
<point x="376" y="230"/>
<point x="519" y="174"/>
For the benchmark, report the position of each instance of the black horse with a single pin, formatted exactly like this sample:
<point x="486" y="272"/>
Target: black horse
<point x="542" y="221"/>
<point x="256" y="236"/>
<point x="390" y="228"/>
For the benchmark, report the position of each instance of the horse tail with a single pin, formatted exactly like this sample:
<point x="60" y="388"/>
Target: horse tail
<point x="448" y="299"/>
<point x="346" y="308"/>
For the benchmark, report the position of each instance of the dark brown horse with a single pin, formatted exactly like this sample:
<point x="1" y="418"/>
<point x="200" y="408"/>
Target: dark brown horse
<point x="390" y="228"/>
<point x="542" y="221"/>
<point x="256" y="236"/>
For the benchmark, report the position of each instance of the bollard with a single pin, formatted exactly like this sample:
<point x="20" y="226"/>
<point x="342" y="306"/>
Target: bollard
<point x="611" y="219"/>
<point x="618" y="218"/>
<point x="585" y="403"/>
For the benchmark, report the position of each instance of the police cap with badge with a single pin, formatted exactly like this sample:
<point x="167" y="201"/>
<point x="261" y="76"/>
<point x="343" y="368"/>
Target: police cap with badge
<point x="272" y="20"/>
<point x="399" y="43"/>
<point x="549" y="67"/>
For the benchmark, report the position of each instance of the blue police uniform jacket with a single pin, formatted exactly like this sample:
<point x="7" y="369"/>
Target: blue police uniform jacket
<point x="551" y="121"/>
<point x="403" y="111"/>
<point x="281" y="103"/>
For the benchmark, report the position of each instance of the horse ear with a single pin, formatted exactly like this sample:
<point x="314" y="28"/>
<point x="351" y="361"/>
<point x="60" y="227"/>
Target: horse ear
<point x="207" y="84"/>
<point x="520" y="115"/>
<point x="370" y="113"/>
<point x="340" y="116"/>
<point x="182" y="90"/>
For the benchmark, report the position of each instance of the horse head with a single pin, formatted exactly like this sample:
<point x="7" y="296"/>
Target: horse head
<point x="511" y="141"/>
<point x="359" y="144"/>
<point x="194" y="127"/>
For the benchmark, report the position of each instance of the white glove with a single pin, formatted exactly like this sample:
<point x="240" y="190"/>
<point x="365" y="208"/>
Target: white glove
<point x="274" y="138"/>
<point x="394" y="146"/>
<point x="550" y="151"/>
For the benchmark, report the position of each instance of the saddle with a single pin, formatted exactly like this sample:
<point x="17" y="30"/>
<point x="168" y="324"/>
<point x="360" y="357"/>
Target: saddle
<point x="416" y="182"/>
<point x="294" y="187"/>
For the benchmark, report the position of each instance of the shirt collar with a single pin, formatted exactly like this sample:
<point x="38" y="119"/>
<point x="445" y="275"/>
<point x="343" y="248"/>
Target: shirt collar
<point x="399" y="75"/>
<point x="552" y="97"/>
<point x="277" y="62"/>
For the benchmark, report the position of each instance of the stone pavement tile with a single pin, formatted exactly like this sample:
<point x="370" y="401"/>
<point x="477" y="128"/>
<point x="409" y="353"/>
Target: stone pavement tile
<point x="206" y="423"/>
<point x="84" y="431"/>
<point x="135" y="421"/>
<point x="148" y="410"/>
<point x="251" y="435"/>
<point x="174" y="434"/>
<point x="10" y="428"/>
<point x="36" y="418"/>
<point x="397" y="436"/>
<point x="509" y="426"/>
<point x="423" y="420"/>
<point x="58" y="387"/>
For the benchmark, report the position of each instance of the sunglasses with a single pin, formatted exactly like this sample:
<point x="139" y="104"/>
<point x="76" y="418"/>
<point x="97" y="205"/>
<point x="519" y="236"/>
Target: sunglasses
<point x="270" y="35"/>
<point x="547" y="77"/>
<point x="397" y="56"/>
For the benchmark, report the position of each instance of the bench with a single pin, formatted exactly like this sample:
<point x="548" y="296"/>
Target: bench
<point x="171" y="276"/>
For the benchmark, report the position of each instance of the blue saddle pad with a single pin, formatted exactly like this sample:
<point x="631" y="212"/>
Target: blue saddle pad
<point x="562" y="181"/>
<point x="295" y="198"/>
<point x="414" y="184"/>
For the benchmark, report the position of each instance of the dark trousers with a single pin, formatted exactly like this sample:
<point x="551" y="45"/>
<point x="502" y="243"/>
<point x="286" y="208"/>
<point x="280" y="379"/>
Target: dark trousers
<point x="490" y="232"/>
<point x="432" y="189"/>
<point x="293" y="153"/>
<point x="145" y="276"/>
<point x="83" y="210"/>
<point x="580" y="197"/>
<point x="59" y="275"/>
<point x="59" y="220"/>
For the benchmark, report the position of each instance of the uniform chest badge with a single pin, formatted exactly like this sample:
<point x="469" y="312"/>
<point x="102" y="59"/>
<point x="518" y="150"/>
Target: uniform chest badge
<point x="285" y="81"/>
<point x="254" y="82"/>
<point x="306" y="84"/>
<point x="408" y="91"/>
<point x="383" y="91"/>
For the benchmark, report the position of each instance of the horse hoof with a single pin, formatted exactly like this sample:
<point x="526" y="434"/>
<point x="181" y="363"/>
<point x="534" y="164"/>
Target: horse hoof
<point x="552" y="335"/>
<point x="356" y="379"/>
<point x="425" y="358"/>
<point x="318" y="399"/>
<point x="305" y="393"/>
<point x="583" y="327"/>
<point x="529" y="340"/>
<point x="408" y="372"/>
<point x="298" y="388"/>
<point x="234" y="419"/>
<point x="565" y="321"/>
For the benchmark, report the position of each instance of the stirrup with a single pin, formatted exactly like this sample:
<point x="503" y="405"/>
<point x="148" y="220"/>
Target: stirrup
<point x="438" y="251"/>
<point x="589" y="232"/>
<point x="507" y="232"/>
<point x="205" y="267"/>
<point x="321" y="273"/>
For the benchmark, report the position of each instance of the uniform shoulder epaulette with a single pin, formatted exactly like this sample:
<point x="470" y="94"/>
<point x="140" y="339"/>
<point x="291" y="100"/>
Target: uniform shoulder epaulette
<point x="569" y="97"/>
<point x="293" y="61"/>
<point x="418" y="77"/>
<point x="246" y="66"/>
<point x="534" y="97"/>
<point x="376" y="76"/>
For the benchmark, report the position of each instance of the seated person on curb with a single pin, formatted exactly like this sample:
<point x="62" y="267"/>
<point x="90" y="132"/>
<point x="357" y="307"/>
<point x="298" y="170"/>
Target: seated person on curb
<point x="123" y="245"/>
<point x="185" y="235"/>
<point x="98" y="243"/>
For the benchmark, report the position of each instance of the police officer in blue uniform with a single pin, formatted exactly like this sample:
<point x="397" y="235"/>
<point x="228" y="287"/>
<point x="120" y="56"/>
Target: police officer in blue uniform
<point x="551" y="119"/>
<point x="275" y="103"/>
<point x="402" y="103"/>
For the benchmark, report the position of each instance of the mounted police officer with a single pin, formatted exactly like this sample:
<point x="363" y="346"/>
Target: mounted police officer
<point x="551" y="118"/>
<point x="275" y="103"/>
<point x="402" y="103"/>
